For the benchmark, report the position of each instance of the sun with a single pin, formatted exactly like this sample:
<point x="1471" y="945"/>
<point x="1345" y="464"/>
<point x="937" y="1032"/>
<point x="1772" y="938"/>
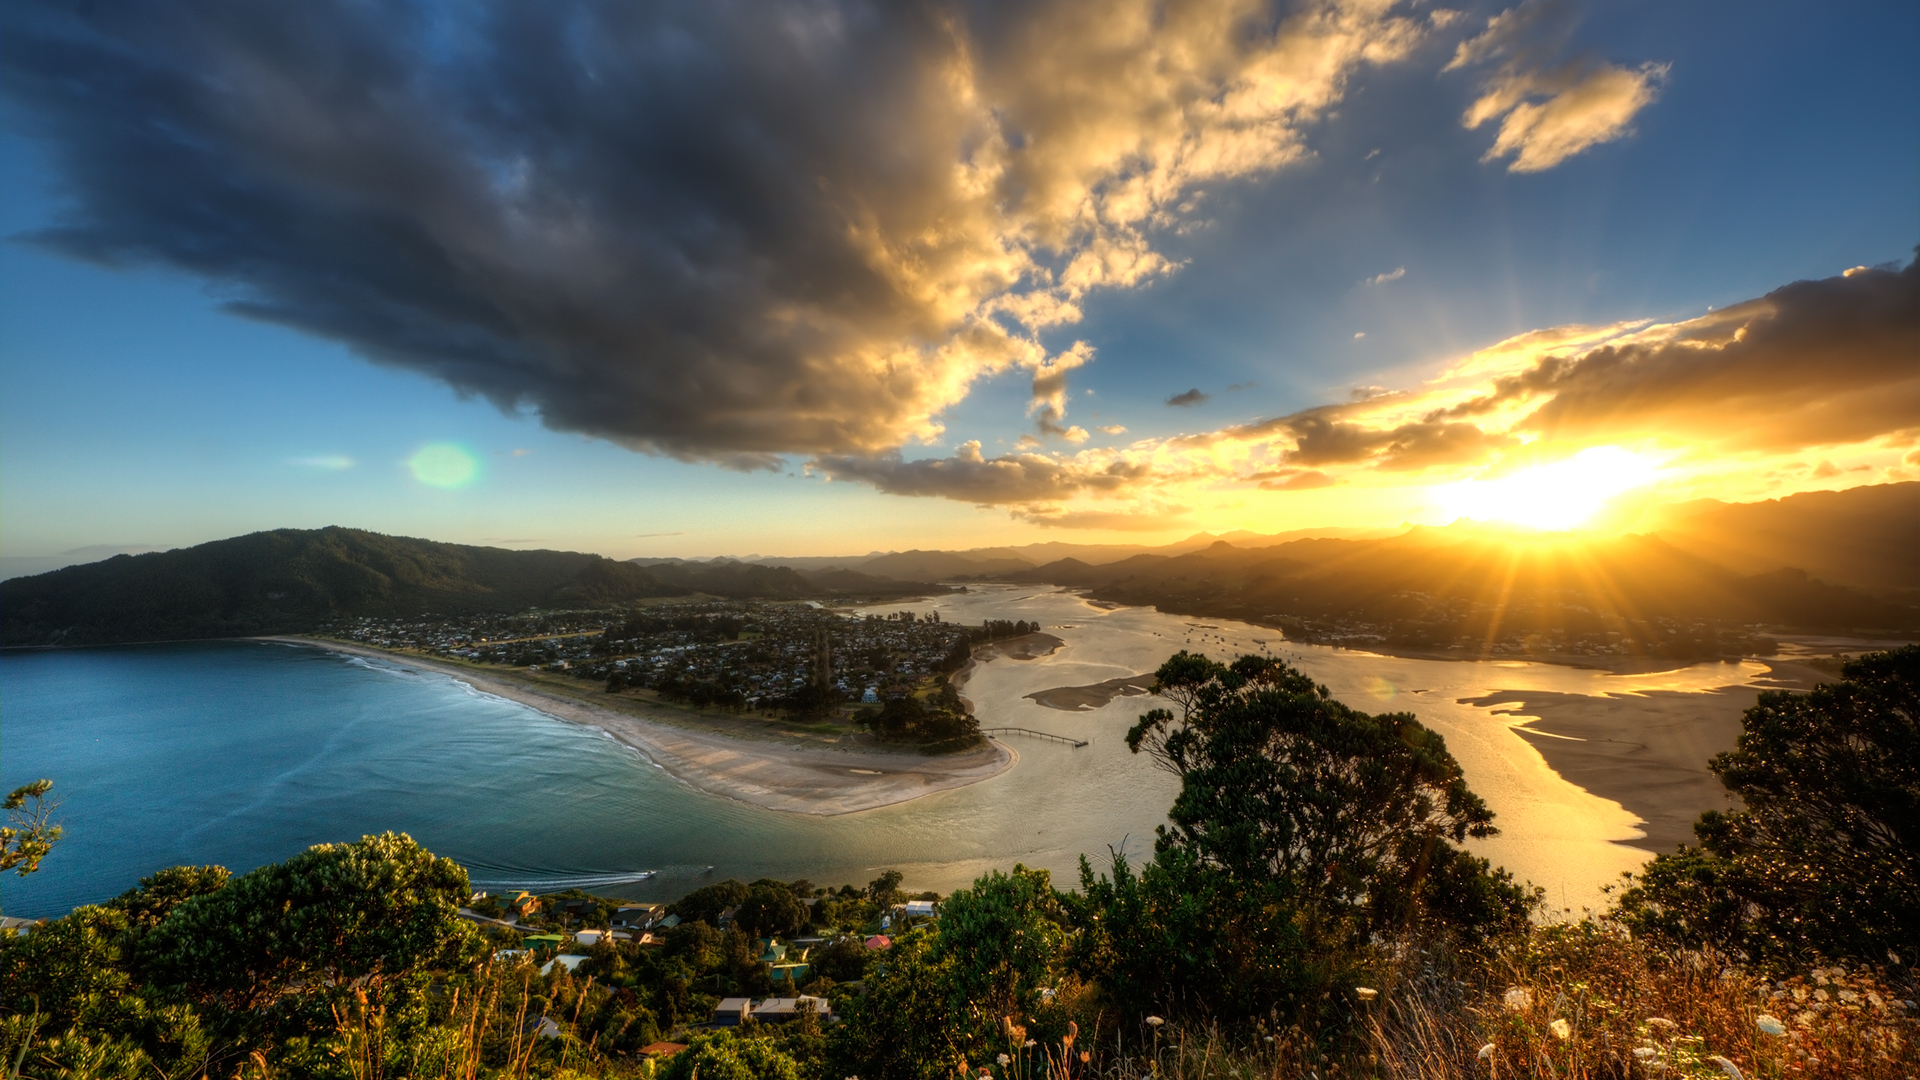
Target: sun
<point x="1563" y="495"/>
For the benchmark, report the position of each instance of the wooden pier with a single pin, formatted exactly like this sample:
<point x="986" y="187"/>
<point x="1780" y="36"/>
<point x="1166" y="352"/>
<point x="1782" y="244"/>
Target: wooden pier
<point x="1075" y="743"/>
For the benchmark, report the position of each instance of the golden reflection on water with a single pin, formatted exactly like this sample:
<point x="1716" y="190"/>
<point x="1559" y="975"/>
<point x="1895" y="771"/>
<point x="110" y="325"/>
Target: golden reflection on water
<point x="1553" y="833"/>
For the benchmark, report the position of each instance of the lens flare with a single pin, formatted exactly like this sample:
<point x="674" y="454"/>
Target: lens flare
<point x="444" y="465"/>
<point x="323" y="462"/>
<point x="1563" y="495"/>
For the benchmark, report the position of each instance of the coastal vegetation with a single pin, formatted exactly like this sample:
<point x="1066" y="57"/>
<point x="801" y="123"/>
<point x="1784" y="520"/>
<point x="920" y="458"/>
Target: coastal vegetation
<point x="1310" y="910"/>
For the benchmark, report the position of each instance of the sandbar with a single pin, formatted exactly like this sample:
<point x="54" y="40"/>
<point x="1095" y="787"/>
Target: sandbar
<point x="1646" y="751"/>
<point x="789" y="774"/>
<point x="1095" y="695"/>
<point x="1025" y="647"/>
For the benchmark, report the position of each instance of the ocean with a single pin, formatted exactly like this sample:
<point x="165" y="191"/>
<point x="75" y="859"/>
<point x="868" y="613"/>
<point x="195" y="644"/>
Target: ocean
<point x="241" y="753"/>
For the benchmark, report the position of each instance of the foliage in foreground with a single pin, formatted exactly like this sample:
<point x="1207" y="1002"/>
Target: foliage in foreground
<point x="1823" y="860"/>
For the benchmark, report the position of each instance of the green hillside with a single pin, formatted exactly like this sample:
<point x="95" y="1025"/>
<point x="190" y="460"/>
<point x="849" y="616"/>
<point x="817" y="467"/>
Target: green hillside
<point x="293" y="580"/>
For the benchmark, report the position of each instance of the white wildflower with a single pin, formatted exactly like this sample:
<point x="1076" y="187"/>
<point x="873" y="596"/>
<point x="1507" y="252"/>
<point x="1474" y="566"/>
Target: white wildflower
<point x="1519" y="999"/>
<point x="1728" y="1067"/>
<point x="1154" y="1021"/>
<point x="1365" y="993"/>
<point x="1029" y="1043"/>
<point x="1645" y="1052"/>
<point x="1002" y="1059"/>
<point x="1485" y="1053"/>
<point x="1770" y="1024"/>
<point x="1806" y="1019"/>
<point x="1561" y="1029"/>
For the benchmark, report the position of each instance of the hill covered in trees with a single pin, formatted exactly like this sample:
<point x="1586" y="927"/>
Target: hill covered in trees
<point x="294" y="580"/>
<point x="735" y="580"/>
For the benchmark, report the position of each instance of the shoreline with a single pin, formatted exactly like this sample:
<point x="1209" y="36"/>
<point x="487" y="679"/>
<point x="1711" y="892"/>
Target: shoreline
<point x="1647" y="750"/>
<point x="785" y="774"/>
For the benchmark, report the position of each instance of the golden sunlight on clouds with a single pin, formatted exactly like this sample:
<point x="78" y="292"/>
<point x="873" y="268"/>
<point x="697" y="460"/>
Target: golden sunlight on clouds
<point x="1811" y="386"/>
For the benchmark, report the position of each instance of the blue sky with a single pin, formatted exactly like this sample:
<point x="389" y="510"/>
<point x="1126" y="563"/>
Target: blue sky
<point x="1780" y="144"/>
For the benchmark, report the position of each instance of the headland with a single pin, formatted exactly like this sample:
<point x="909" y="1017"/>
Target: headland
<point x="790" y="771"/>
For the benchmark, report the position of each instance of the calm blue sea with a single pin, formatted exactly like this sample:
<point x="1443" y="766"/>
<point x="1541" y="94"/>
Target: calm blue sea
<point x="243" y="753"/>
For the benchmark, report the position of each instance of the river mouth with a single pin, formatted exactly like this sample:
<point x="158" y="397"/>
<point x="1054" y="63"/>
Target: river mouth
<point x="241" y="753"/>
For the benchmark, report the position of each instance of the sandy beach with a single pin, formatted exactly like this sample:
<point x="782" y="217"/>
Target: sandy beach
<point x="793" y="775"/>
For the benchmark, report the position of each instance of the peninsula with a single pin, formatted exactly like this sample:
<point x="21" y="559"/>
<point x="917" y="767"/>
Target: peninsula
<point x="782" y="767"/>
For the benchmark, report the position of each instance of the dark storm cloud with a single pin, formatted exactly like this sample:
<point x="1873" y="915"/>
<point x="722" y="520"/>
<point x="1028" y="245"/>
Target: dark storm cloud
<point x="970" y="477"/>
<point x="1810" y="364"/>
<point x="719" y="230"/>
<point x="1189" y="397"/>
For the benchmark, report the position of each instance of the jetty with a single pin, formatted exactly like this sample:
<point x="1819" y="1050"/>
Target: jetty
<point x="1075" y="743"/>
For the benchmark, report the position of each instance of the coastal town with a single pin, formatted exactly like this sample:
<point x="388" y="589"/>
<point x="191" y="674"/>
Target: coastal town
<point x="732" y="655"/>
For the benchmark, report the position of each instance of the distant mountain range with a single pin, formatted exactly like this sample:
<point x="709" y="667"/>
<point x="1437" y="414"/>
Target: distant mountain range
<point x="296" y="580"/>
<point x="1846" y="560"/>
<point x="1468" y="584"/>
<point x="1865" y="537"/>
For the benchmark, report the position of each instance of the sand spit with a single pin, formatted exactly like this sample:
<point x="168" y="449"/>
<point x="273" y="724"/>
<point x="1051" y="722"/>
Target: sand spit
<point x="1025" y="647"/>
<point x="788" y="774"/>
<point x="1088" y="698"/>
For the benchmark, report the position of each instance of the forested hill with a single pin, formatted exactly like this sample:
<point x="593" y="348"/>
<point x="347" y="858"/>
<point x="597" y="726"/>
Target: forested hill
<point x="742" y="580"/>
<point x="293" y="580"/>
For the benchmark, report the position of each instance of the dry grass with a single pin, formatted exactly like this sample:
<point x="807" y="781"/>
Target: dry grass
<point x="1580" y="1002"/>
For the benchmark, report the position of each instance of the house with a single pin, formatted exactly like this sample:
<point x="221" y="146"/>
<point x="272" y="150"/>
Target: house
<point x="774" y="952"/>
<point x="11" y="925"/>
<point x="661" y="1051"/>
<point x="780" y="1010"/>
<point x="571" y="963"/>
<point x="639" y="916"/>
<point x="792" y="974"/>
<point x="667" y="923"/>
<point x="879" y="941"/>
<point x="726" y="917"/>
<point x="919" y="908"/>
<point x="731" y="1011"/>
<point x="589" y="938"/>
<point x="544" y="943"/>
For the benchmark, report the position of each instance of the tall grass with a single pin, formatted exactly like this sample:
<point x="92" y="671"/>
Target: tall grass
<point x="1574" y="1002"/>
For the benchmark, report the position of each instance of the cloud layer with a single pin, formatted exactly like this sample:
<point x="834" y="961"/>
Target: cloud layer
<point x="1813" y="365"/>
<point x="718" y="230"/>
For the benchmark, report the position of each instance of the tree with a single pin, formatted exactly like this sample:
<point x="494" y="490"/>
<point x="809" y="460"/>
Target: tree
<point x="29" y="834"/>
<point x="723" y="1055"/>
<point x="1824" y="857"/>
<point x="705" y="904"/>
<point x="885" y="889"/>
<point x="771" y="911"/>
<point x="1006" y="941"/>
<point x="148" y="904"/>
<point x="1351" y="814"/>
<point x="373" y="910"/>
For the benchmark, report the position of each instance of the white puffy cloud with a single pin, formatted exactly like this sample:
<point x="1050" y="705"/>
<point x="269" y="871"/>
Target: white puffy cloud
<point x="1548" y="110"/>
